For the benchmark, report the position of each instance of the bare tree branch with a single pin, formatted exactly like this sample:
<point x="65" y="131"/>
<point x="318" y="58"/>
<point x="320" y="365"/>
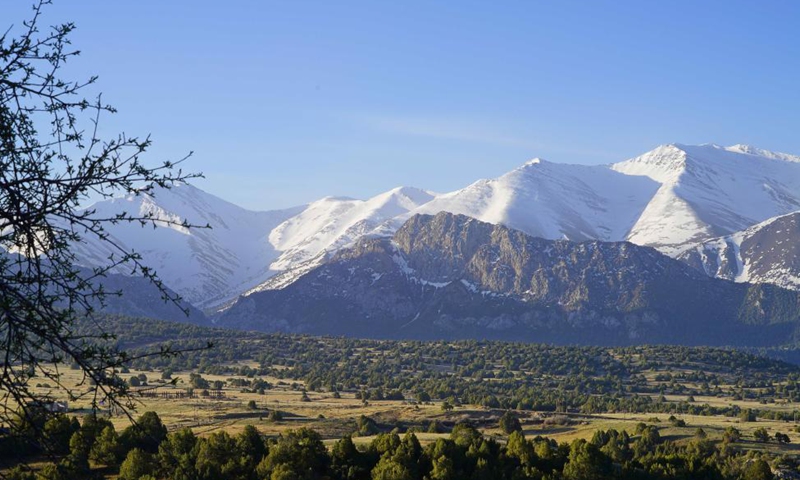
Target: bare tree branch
<point x="52" y="161"/>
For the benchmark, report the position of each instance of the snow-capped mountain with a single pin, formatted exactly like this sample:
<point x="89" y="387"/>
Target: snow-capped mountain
<point x="204" y="266"/>
<point x="671" y="198"/>
<point x="768" y="252"/>
<point x="709" y="191"/>
<point x="243" y="248"/>
<point x="451" y="276"/>
<point x="331" y="223"/>
<point x="553" y="201"/>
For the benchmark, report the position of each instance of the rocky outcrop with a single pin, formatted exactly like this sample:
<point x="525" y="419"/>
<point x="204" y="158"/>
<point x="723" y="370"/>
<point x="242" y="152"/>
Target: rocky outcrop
<point x="451" y="276"/>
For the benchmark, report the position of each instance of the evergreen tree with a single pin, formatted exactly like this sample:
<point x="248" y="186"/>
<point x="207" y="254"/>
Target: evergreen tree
<point x="510" y="423"/>
<point x="347" y="463"/>
<point x="758" y="470"/>
<point x="297" y="452"/>
<point x="137" y="464"/>
<point x="57" y="433"/>
<point x="388" y="468"/>
<point x="107" y="448"/>
<point x="177" y="455"/>
<point x="251" y="448"/>
<point x="586" y="462"/>
<point x="217" y="457"/>
<point x="146" y="433"/>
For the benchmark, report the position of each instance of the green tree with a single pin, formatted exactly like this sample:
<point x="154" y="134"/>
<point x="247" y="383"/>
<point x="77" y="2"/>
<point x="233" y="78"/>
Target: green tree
<point x="177" y="455"/>
<point x="217" y="457"/>
<point x="284" y="472"/>
<point x="75" y="466"/>
<point x="520" y="449"/>
<point x="21" y="472"/>
<point x="586" y="462"/>
<point x="510" y="423"/>
<point x="385" y="443"/>
<point x="758" y="470"/>
<point x="347" y="463"/>
<point x="409" y="453"/>
<point x="250" y="448"/>
<point x="465" y="435"/>
<point x="366" y="426"/>
<point x="107" y="449"/>
<point x="761" y="435"/>
<point x="275" y="416"/>
<point x="297" y="452"/>
<point x="146" y="433"/>
<point x="53" y="161"/>
<point x="434" y="427"/>
<point x="57" y="433"/>
<point x="52" y="472"/>
<point x="137" y="464"/>
<point x="388" y="468"/>
<point x="731" y="435"/>
<point x="442" y="469"/>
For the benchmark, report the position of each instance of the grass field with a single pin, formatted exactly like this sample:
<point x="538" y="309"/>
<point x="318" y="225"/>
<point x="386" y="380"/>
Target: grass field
<point x="336" y="417"/>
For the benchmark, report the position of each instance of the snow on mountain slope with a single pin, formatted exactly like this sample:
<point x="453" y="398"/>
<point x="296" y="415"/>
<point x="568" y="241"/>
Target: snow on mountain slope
<point x="243" y="249"/>
<point x="331" y="223"/>
<point x="205" y="266"/>
<point x="709" y="191"/>
<point x="553" y="200"/>
<point x="670" y="198"/>
<point x="765" y="253"/>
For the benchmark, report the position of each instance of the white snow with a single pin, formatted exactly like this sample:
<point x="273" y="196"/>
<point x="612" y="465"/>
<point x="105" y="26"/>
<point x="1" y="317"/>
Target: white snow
<point x="553" y="201"/>
<point x="244" y="249"/>
<point x="205" y="266"/>
<point x="670" y="198"/>
<point x="730" y="245"/>
<point x="332" y="223"/>
<point x="707" y="191"/>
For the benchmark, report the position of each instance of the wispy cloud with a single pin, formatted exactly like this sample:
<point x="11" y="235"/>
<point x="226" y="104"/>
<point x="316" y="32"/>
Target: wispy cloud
<point x="488" y="132"/>
<point x="450" y="129"/>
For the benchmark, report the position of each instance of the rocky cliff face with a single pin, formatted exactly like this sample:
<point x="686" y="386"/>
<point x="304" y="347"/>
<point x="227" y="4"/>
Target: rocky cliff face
<point x="765" y="253"/>
<point x="450" y="276"/>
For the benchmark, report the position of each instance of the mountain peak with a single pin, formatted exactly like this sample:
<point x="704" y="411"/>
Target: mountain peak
<point x="669" y="198"/>
<point x="760" y="152"/>
<point x="534" y="161"/>
<point x="334" y="198"/>
<point x="449" y="276"/>
<point x="664" y="164"/>
<point x="412" y="193"/>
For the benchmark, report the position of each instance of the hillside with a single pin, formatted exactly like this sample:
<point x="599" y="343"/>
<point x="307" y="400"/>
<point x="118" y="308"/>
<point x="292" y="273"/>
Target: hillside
<point x="768" y="252"/>
<point x="450" y="276"/>
<point x="671" y="198"/>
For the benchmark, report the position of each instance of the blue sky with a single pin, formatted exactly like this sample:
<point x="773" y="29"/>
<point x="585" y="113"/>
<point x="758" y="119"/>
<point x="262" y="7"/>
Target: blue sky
<point x="285" y="102"/>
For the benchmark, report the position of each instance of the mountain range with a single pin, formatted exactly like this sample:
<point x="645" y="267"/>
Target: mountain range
<point x="451" y="276"/>
<point x="726" y="212"/>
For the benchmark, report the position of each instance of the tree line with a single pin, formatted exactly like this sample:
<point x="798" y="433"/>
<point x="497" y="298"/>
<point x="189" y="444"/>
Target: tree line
<point x="493" y="374"/>
<point x="145" y="451"/>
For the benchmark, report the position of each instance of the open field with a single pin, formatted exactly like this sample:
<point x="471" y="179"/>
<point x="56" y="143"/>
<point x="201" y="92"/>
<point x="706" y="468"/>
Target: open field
<point x="335" y="417"/>
<point x="727" y="406"/>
